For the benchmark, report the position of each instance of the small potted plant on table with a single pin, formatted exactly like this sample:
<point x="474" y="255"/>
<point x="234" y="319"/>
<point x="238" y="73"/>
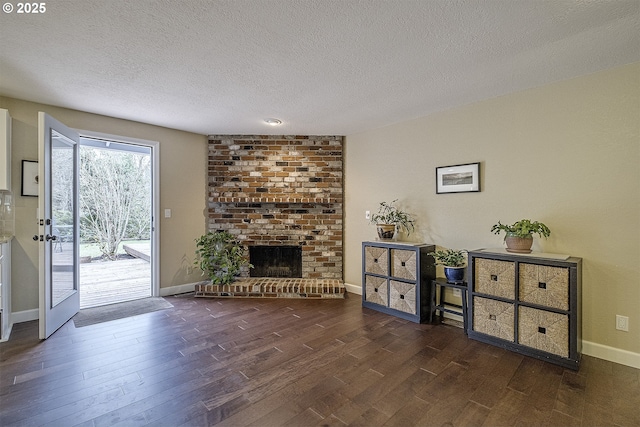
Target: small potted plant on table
<point x="453" y="261"/>
<point x="390" y="219"/>
<point x="519" y="235"/>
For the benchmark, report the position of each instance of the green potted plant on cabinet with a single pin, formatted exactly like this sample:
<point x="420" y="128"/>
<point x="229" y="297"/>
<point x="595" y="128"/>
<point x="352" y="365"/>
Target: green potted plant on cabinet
<point x="220" y="256"/>
<point x="454" y="261"/>
<point x="519" y="235"/>
<point x="390" y="219"/>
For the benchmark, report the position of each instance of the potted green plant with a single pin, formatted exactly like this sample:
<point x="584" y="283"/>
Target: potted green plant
<point x="390" y="219"/>
<point x="519" y="235"/>
<point x="454" y="261"/>
<point x="220" y="256"/>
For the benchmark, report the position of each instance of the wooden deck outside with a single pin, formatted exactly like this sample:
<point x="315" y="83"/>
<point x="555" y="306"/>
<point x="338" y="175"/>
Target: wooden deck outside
<point x="109" y="282"/>
<point x="105" y="282"/>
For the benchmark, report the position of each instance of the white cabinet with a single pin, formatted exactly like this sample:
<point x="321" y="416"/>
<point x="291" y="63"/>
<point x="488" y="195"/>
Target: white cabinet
<point x="5" y="290"/>
<point x="5" y="150"/>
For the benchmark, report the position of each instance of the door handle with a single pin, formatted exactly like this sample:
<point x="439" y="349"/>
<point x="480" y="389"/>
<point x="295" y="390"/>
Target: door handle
<point x="37" y="237"/>
<point x="49" y="237"/>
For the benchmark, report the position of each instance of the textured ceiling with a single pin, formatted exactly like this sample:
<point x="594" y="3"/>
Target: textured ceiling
<point x="321" y="66"/>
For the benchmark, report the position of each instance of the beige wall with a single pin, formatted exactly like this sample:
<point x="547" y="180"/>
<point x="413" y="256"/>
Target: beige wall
<point x="183" y="164"/>
<point x="566" y="154"/>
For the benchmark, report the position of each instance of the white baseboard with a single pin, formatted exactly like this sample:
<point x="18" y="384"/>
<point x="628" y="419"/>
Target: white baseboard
<point x="180" y="289"/>
<point x="611" y="354"/>
<point x="353" y="289"/>
<point x="25" y="316"/>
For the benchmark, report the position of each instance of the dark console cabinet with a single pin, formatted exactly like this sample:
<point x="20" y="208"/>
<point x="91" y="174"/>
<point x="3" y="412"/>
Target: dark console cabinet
<point x="529" y="304"/>
<point x="396" y="277"/>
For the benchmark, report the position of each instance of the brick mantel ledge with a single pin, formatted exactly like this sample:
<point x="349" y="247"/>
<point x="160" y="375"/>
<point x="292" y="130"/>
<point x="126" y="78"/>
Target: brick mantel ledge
<point x="264" y="199"/>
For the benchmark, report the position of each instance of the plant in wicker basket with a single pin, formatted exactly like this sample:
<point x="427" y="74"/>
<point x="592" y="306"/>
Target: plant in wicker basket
<point x="519" y="235"/>
<point x="453" y="261"/>
<point x="220" y="256"/>
<point x="389" y="218"/>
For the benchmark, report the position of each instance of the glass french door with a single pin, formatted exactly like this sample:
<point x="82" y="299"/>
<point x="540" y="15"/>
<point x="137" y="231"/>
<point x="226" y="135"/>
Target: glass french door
<point x="58" y="234"/>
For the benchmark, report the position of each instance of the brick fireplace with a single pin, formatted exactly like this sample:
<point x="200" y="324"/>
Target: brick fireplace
<point x="280" y="191"/>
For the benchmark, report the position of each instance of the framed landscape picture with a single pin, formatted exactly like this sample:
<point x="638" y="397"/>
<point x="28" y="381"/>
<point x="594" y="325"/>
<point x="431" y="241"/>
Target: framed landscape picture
<point x="458" y="178"/>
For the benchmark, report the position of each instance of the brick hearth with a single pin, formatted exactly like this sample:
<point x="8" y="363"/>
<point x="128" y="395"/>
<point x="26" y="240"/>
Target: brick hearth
<point x="280" y="190"/>
<point x="266" y="287"/>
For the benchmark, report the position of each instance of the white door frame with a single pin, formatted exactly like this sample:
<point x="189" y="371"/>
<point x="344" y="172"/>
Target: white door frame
<point x="155" y="196"/>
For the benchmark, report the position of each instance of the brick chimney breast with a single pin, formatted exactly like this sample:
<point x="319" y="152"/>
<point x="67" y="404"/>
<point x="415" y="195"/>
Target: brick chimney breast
<point x="280" y="191"/>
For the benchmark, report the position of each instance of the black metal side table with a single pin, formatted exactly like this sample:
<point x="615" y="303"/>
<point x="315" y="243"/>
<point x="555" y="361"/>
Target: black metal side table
<point x="461" y="310"/>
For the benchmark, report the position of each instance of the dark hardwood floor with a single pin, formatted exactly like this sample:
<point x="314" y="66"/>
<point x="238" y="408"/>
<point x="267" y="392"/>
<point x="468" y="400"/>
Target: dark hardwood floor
<point x="294" y="363"/>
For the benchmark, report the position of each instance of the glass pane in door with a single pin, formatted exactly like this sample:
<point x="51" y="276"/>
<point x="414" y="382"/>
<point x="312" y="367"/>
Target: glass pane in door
<point x="63" y="283"/>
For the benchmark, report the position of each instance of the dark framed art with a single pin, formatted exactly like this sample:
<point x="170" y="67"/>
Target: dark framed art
<point x="458" y="178"/>
<point x="29" y="178"/>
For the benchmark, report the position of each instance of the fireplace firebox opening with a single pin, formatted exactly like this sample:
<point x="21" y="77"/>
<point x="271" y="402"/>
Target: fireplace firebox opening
<point x="275" y="261"/>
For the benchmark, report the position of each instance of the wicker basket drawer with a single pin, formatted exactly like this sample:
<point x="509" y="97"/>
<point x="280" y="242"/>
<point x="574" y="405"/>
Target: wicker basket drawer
<point x="495" y="277"/>
<point x="544" y="330"/>
<point x="544" y="285"/>
<point x="493" y="318"/>
<point x="402" y="296"/>
<point x="403" y="264"/>
<point x="376" y="290"/>
<point x="376" y="260"/>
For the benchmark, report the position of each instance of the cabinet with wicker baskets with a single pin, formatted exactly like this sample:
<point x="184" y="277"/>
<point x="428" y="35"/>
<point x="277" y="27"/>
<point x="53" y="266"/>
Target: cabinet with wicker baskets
<point x="395" y="278"/>
<point x="527" y="303"/>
